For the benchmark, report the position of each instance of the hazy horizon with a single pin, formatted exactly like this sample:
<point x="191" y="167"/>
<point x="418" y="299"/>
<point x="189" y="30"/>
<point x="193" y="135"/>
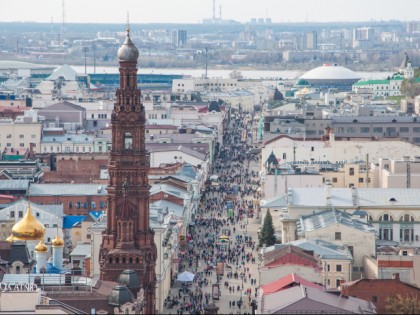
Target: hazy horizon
<point x="194" y="11"/>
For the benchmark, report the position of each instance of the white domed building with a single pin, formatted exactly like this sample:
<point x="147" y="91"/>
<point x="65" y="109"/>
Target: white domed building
<point x="331" y="76"/>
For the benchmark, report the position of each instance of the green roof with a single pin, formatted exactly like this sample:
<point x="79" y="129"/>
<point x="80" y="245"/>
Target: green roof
<point x="369" y="82"/>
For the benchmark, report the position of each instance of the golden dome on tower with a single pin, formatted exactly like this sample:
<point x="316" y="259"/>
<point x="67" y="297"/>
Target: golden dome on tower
<point x="27" y="229"/>
<point x="57" y="241"/>
<point x="41" y="247"/>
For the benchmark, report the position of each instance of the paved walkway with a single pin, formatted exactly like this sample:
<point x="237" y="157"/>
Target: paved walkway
<point x="237" y="177"/>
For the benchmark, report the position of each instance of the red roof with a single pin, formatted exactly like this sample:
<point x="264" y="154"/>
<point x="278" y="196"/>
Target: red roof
<point x="286" y="282"/>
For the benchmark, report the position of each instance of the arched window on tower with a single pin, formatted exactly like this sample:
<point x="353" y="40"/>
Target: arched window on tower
<point x="128" y="141"/>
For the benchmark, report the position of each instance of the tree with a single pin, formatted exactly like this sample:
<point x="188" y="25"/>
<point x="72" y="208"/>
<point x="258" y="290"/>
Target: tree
<point x="402" y="304"/>
<point x="267" y="236"/>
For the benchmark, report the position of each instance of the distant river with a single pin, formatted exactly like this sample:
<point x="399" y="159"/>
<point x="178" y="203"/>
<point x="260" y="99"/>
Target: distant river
<point x="248" y="74"/>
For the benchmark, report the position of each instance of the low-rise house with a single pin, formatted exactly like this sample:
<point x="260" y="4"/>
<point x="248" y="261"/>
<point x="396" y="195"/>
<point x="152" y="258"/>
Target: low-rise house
<point x="77" y="199"/>
<point x="377" y="291"/>
<point x="279" y="262"/>
<point x="342" y="229"/>
<point x="303" y="299"/>
<point x="337" y="261"/>
<point x="392" y="261"/>
<point x="392" y="212"/>
<point x="63" y="114"/>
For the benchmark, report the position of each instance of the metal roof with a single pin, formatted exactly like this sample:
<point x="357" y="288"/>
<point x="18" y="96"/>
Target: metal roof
<point x="14" y="184"/>
<point x="68" y="190"/>
<point x="324" y="249"/>
<point x="373" y="119"/>
<point x="275" y="202"/>
<point x="313" y="299"/>
<point x="171" y="190"/>
<point x="82" y="250"/>
<point x="71" y="220"/>
<point x="172" y="207"/>
<point x="364" y="197"/>
<point x="327" y="218"/>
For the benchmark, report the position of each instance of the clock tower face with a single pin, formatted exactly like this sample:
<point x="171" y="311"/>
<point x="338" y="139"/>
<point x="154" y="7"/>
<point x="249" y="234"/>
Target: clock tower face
<point x="128" y="241"/>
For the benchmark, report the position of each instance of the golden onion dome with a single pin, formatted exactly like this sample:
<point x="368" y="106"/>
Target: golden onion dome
<point x="28" y="229"/>
<point x="41" y="247"/>
<point x="58" y="241"/>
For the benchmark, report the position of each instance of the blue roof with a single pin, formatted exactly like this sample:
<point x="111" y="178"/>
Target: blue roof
<point x="70" y="220"/>
<point x="95" y="214"/>
<point x="188" y="170"/>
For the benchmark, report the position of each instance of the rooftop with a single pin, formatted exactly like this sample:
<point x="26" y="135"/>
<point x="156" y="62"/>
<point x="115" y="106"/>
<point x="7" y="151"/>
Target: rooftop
<point x="68" y="190"/>
<point x="327" y="218"/>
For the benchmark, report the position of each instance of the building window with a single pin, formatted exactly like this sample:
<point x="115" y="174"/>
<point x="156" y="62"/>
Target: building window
<point x="364" y="129"/>
<point x="21" y="145"/>
<point x="406" y="218"/>
<point x="406" y="234"/>
<point x="70" y="205"/>
<point x="374" y="299"/>
<point x="12" y="214"/>
<point x="386" y="233"/>
<point x="351" y="171"/>
<point x="33" y="136"/>
<point x="128" y="140"/>
<point x="20" y="214"/>
<point x="337" y="236"/>
<point x="8" y="136"/>
<point x="334" y="180"/>
<point x="386" y="217"/>
<point x="88" y="236"/>
<point x="404" y="129"/>
<point x="361" y="180"/>
<point x="284" y="156"/>
<point x="338" y="268"/>
<point x="377" y="129"/>
<point x="37" y="214"/>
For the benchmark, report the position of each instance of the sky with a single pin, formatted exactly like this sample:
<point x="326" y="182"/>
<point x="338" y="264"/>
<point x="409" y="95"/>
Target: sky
<point x="193" y="11"/>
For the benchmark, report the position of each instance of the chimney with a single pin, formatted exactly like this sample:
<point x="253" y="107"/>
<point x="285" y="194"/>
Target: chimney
<point x="328" y="186"/>
<point x="354" y="196"/>
<point x="396" y="276"/>
<point x="289" y="196"/>
<point x="31" y="150"/>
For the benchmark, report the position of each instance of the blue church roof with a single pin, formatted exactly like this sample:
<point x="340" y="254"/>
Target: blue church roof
<point x="70" y="220"/>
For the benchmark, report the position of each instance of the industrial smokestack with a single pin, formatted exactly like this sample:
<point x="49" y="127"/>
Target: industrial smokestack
<point x="214" y="10"/>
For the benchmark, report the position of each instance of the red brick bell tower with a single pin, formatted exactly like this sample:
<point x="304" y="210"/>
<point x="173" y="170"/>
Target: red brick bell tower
<point x="127" y="242"/>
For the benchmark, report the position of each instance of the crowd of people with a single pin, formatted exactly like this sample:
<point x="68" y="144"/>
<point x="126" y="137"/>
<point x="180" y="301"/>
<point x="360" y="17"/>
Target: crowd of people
<point x="219" y="249"/>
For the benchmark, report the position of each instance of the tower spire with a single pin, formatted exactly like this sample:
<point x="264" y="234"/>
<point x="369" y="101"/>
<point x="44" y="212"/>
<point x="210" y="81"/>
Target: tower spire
<point x="127" y="28"/>
<point x="128" y="240"/>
